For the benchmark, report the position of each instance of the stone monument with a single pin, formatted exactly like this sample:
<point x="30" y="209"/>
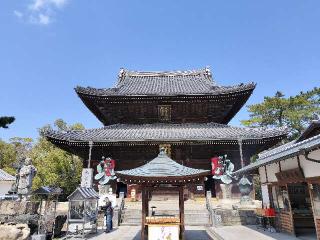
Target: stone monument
<point x="25" y="178"/>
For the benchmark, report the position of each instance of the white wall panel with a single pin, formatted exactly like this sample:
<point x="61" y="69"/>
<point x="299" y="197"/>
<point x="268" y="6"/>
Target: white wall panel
<point x="265" y="195"/>
<point x="289" y="163"/>
<point x="262" y="174"/>
<point x="311" y="169"/>
<point x="272" y="169"/>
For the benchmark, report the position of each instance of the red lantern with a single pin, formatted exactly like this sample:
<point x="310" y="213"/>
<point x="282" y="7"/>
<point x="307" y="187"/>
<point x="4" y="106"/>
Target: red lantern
<point x="215" y="166"/>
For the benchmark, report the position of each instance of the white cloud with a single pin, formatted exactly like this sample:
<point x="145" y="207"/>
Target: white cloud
<point x="44" y="19"/>
<point x="41" y="12"/>
<point x="37" y="5"/>
<point x="18" y="14"/>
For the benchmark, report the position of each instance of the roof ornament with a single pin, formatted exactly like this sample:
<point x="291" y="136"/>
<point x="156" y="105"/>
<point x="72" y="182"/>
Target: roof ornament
<point x="208" y="71"/>
<point x="121" y="74"/>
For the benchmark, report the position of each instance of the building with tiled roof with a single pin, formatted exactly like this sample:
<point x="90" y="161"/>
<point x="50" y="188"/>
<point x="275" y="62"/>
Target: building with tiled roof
<point x="290" y="182"/>
<point x="6" y="181"/>
<point x="185" y="111"/>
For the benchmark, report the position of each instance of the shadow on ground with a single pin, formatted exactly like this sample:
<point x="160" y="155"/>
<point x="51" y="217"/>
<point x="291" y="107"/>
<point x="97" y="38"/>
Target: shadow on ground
<point x="133" y="233"/>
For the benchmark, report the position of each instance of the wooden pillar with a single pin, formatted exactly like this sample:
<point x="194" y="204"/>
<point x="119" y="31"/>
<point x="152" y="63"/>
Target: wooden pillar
<point x="241" y="153"/>
<point x="143" y="189"/>
<point x="147" y="202"/>
<point x="181" y="212"/>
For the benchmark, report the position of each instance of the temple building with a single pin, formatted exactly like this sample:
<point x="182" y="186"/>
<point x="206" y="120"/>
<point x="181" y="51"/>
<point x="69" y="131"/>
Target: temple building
<point x="186" y="112"/>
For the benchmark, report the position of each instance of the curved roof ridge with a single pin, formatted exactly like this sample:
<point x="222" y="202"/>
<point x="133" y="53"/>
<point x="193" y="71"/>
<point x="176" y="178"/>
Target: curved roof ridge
<point x="205" y="71"/>
<point x="211" y="90"/>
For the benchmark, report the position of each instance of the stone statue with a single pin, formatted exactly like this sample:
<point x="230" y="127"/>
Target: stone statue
<point x="225" y="170"/>
<point x="105" y="171"/>
<point x="25" y="176"/>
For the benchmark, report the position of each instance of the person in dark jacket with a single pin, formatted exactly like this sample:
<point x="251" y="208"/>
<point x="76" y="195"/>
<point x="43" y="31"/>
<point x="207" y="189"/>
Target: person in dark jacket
<point x="108" y="213"/>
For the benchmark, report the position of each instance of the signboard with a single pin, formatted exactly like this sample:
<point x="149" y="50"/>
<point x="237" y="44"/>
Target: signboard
<point x="199" y="188"/>
<point x="87" y="177"/>
<point x="163" y="232"/>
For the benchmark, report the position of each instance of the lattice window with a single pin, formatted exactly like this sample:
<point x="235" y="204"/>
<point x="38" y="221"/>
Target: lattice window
<point x="164" y="113"/>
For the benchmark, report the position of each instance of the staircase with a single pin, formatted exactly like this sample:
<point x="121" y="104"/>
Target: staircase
<point x="195" y="213"/>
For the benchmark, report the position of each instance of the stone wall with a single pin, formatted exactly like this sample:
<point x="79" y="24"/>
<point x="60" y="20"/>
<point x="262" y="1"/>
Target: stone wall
<point x="284" y="222"/>
<point x="20" y="212"/>
<point x="11" y="208"/>
<point x="14" y="231"/>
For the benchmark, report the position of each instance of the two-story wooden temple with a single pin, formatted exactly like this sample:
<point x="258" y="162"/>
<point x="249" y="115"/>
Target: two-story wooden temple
<point x="186" y="112"/>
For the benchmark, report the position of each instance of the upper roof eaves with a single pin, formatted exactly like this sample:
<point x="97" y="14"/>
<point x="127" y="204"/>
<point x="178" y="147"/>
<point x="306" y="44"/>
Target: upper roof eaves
<point x="169" y="83"/>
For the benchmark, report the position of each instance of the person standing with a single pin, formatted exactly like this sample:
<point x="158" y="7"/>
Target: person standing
<point x="108" y="213"/>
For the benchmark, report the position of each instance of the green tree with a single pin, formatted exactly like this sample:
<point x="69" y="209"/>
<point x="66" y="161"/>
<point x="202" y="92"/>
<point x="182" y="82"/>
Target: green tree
<point x="294" y="112"/>
<point x="55" y="166"/>
<point x="5" y="121"/>
<point x="13" y="153"/>
<point x="7" y="157"/>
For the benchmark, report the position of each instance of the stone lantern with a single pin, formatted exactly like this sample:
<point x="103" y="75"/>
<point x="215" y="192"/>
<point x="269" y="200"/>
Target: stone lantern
<point x="245" y="187"/>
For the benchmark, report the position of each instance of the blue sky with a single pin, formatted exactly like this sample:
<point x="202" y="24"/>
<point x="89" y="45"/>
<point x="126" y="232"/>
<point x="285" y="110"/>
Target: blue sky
<point x="47" y="47"/>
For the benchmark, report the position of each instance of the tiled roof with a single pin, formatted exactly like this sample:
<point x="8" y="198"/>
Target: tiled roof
<point x="173" y="83"/>
<point x="282" y="152"/>
<point x="165" y="132"/>
<point x="161" y="166"/>
<point x="83" y="193"/>
<point x="4" y="176"/>
<point x="48" y="190"/>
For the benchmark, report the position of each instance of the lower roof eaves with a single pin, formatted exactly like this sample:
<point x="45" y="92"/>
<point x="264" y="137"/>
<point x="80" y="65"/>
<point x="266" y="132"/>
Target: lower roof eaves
<point x="281" y="153"/>
<point x="166" y="132"/>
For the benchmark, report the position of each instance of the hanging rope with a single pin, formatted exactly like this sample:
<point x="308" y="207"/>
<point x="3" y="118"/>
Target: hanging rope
<point x="90" y="149"/>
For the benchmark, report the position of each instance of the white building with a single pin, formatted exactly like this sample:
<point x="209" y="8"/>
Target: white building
<point x="290" y="182"/>
<point x="6" y="181"/>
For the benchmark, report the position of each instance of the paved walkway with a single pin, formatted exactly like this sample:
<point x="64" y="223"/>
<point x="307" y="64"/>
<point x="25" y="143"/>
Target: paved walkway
<point x="133" y="233"/>
<point x="252" y="232"/>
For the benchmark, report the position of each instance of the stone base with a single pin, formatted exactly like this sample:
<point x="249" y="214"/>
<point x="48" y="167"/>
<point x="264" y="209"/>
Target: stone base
<point x="38" y="237"/>
<point x="246" y="201"/>
<point x="14" y="232"/>
<point x="228" y="217"/>
<point x="226" y="190"/>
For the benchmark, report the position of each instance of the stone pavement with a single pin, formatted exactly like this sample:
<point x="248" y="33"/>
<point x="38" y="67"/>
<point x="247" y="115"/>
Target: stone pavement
<point x="250" y="232"/>
<point x="133" y="233"/>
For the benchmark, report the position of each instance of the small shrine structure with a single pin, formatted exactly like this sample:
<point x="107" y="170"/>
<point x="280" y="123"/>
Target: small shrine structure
<point x="162" y="173"/>
<point x="83" y="211"/>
